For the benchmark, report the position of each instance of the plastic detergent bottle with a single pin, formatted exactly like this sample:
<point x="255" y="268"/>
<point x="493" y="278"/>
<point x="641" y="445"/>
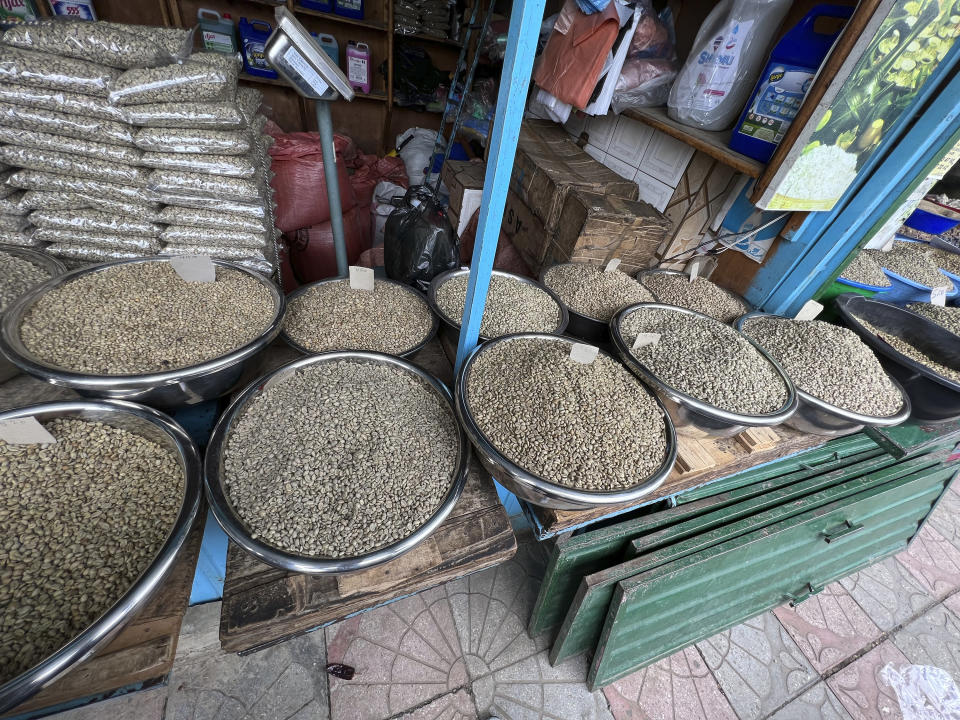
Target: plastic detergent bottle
<point x="217" y="31"/>
<point x="254" y="35"/>
<point x="321" y="5"/>
<point x="784" y="83"/>
<point x="349" y="8"/>
<point x="329" y="45"/>
<point x="726" y="58"/>
<point x="78" y="9"/>
<point x="358" y="66"/>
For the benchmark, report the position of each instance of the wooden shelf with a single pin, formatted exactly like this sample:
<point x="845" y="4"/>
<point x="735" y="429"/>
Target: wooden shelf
<point x="427" y="38"/>
<point x="714" y="144"/>
<point x="340" y="19"/>
<point x="375" y="95"/>
<point x="266" y="81"/>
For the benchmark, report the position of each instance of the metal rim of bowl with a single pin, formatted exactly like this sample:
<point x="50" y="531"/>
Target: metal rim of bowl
<point x="455" y="326"/>
<point x="47" y="262"/>
<point x="586" y="498"/>
<point x="17" y="353"/>
<point x="434" y="323"/>
<point x="101" y="630"/>
<point x="571" y="311"/>
<point x="767" y="419"/>
<point x="228" y="519"/>
<point x="900" y="416"/>
<point x="884" y="347"/>
<point x="663" y="271"/>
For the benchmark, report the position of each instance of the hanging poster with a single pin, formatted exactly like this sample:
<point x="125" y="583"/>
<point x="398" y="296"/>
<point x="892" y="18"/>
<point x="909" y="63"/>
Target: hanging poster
<point x="844" y="131"/>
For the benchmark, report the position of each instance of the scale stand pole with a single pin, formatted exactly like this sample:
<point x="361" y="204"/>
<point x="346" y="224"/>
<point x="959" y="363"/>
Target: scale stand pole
<point x="325" y="127"/>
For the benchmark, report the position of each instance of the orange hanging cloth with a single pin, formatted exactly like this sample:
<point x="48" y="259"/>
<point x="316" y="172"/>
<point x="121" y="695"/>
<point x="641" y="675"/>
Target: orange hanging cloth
<point x="576" y="51"/>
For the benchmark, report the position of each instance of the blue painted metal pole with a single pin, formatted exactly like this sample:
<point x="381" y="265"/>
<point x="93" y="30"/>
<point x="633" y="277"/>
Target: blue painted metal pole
<point x="525" y="19"/>
<point x="325" y="127"/>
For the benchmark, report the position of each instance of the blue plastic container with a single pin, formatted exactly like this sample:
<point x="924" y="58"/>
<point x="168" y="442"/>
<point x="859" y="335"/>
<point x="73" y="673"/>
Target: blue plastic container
<point x="253" y="36"/>
<point x="783" y="84"/>
<point x="929" y="222"/>
<point x="318" y="5"/>
<point x="349" y="8"/>
<point x="905" y="291"/>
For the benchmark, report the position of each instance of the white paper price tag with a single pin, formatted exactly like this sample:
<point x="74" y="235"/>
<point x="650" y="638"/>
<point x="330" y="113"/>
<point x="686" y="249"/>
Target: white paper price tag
<point x="361" y="278"/>
<point x="583" y="353"/>
<point x="194" y="268"/>
<point x="644" y="339"/>
<point x="693" y="268"/>
<point x="938" y="296"/>
<point x="612" y="265"/>
<point x="810" y="309"/>
<point x="24" y="431"/>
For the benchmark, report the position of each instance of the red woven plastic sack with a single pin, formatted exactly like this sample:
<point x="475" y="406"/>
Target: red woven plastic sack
<point x="301" y="190"/>
<point x="372" y="170"/>
<point x="311" y="249"/>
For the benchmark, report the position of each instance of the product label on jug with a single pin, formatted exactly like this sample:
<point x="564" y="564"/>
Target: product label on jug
<point x="16" y="10"/>
<point x="717" y="66"/>
<point x="352" y="5"/>
<point x="217" y="41"/>
<point x="256" y="57"/>
<point x="781" y="93"/>
<point x="357" y="70"/>
<point x="81" y="10"/>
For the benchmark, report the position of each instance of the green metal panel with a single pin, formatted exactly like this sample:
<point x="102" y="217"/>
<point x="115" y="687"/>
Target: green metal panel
<point x="912" y="438"/>
<point x="573" y="557"/>
<point x="658" y="612"/>
<point x="584" y="620"/>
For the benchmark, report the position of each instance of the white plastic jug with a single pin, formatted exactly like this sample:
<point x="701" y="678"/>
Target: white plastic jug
<point x="727" y="57"/>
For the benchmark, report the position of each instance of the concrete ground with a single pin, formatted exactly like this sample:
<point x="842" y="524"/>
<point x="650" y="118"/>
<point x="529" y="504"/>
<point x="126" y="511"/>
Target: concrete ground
<point x="461" y="652"/>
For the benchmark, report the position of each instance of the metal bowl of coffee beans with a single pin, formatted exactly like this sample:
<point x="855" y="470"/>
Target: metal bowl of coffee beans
<point x="514" y="304"/>
<point x="713" y="380"/>
<point x="329" y="315"/>
<point x="90" y="526"/>
<point x="21" y="270"/>
<point x="135" y="330"/>
<point x="336" y="462"/>
<point x="923" y="356"/>
<point x="561" y="430"/>
<point x="591" y="296"/>
<point x="672" y="287"/>
<point x="840" y="382"/>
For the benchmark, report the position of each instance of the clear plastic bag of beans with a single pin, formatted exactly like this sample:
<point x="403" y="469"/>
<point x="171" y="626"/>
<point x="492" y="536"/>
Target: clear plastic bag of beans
<point x="147" y="245"/>
<point x="175" y="201"/>
<point x="216" y="219"/>
<point x="90" y="253"/>
<point x="6" y="189"/>
<point x="92" y="221"/>
<point x="188" y="235"/>
<point x="37" y="69"/>
<point x="215" y="251"/>
<point x="13" y="223"/>
<point x="21" y="238"/>
<point x="249" y="100"/>
<point x="241" y="166"/>
<point x="205" y="142"/>
<point x="141" y="211"/>
<point x="184" y="82"/>
<point x="51" y="182"/>
<point x="73" y="165"/>
<point x="104" y="43"/>
<point x="222" y="115"/>
<point x="60" y="143"/>
<point x="219" y="59"/>
<point x="40" y="200"/>
<point x="200" y="185"/>
<point x="173" y="39"/>
<point x="14" y="204"/>
<point x="58" y="123"/>
<point x="60" y="101"/>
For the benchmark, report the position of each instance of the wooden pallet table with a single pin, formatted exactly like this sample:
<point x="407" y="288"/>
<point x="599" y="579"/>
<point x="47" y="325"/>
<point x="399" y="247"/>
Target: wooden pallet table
<point x="142" y="653"/>
<point x="263" y="605"/>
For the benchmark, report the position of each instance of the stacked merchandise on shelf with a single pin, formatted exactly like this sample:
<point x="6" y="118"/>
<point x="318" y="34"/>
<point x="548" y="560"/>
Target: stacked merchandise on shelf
<point x="424" y="17"/>
<point x="116" y="142"/>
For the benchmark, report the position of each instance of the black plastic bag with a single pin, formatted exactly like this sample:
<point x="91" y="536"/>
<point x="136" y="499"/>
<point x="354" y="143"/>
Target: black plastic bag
<point x="418" y="241"/>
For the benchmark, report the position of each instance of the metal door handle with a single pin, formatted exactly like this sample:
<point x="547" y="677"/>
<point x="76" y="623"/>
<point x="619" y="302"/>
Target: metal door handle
<point x="847" y="531"/>
<point x="798" y="597"/>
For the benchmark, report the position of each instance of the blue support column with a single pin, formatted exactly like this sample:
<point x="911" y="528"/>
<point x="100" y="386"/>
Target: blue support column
<point x="525" y="19"/>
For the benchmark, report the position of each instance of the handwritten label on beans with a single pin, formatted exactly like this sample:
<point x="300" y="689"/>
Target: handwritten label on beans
<point x="194" y="268"/>
<point x="361" y="278"/>
<point x="24" y="431"/>
<point x="583" y="353"/>
<point x="810" y="309"/>
<point x="938" y="296"/>
<point x="612" y="265"/>
<point x="644" y="339"/>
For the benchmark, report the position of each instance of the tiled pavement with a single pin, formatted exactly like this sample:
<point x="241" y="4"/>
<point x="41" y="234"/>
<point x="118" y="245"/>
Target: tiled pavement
<point x="461" y="652"/>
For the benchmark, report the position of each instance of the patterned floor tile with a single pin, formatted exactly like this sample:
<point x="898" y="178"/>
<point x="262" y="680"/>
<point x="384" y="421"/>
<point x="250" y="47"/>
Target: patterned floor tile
<point x="455" y="706"/>
<point x="828" y="627"/>
<point x="533" y="690"/>
<point x="888" y="593"/>
<point x="143" y="705"/>
<point x="946" y="518"/>
<point x="932" y="639"/>
<point x="817" y="703"/>
<point x="758" y="665"/>
<point x="860" y="690"/>
<point x="404" y="654"/>
<point x="933" y="561"/>
<point x="679" y="687"/>
<point x="491" y="610"/>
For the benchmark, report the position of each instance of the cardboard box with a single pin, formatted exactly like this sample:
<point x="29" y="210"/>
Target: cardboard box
<point x="525" y="231"/>
<point x="548" y="165"/>
<point x="460" y="176"/>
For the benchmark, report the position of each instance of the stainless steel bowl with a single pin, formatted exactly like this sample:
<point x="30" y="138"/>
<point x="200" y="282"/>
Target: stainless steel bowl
<point x="583" y="326"/>
<point x="452" y="326"/>
<point x="406" y="353"/>
<point x="156" y="427"/>
<point x="819" y="417"/>
<point x="533" y="488"/>
<point x="657" y="271"/>
<point x="172" y="388"/>
<point x="230" y="521"/>
<point x="694" y="417"/>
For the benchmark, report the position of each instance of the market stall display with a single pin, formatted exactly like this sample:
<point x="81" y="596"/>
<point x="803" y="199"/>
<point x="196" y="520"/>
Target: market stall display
<point x="330" y="315"/>
<point x="671" y="287"/>
<point x="865" y="269"/>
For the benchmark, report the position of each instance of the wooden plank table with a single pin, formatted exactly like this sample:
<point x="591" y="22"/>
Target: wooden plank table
<point x="142" y="653"/>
